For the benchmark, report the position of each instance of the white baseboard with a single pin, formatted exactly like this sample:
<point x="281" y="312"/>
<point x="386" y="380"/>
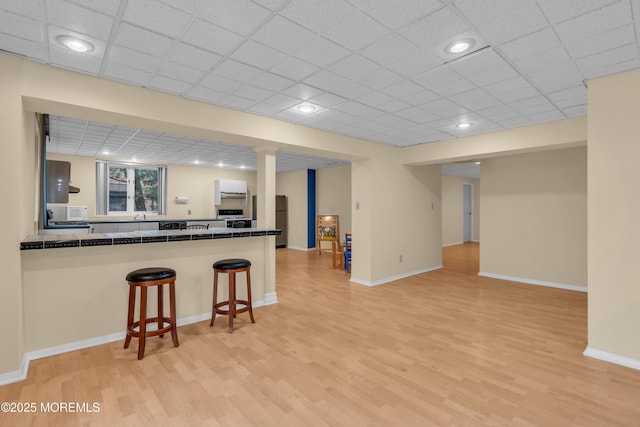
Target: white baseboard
<point x="612" y="358"/>
<point x="452" y="244"/>
<point x="394" y="278"/>
<point x="21" y="374"/>
<point x="269" y="299"/>
<point x="535" y="282"/>
<point x="296" y="248"/>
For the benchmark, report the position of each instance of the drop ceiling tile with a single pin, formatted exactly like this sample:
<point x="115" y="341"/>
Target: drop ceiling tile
<point x="475" y="99"/>
<point x="180" y="72"/>
<point x="356" y="31"/>
<point x="241" y="17"/>
<point x="107" y="7"/>
<point x="374" y="98"/>
<point x="417" y="115"/>
<point x="73" y="17"/>
<point x="281" y="101"/>
<point x="66" y="58"/>
<point x="402" y="89"/>
<point x="134" y="59"/>
<point x="608" y="58"/>
<point x="566" y="72"/>
<point x="302" y="91"/>
<point x="22" y="7"/>
<point x="127" y="74"/>
<point x="272" y="82"/>
<point x="237" y="102"/>
<point x="518" y="94"/>
<point x="380" y="78"/>
<point x="354" y="67"/>
<point x="453" y="87"/>
<point x="543" y="60"/>
<point x="546" y="116"/>
<point x="189" y="6"/>
<point x="204" y="94"/>
<point x="613" y="69"/>
<point x="142" y="40"/>
<point x="271" y="4"/>
<point x="515" y="122"/>
<point x="434" y="28"/>
<point x="29" y="49"/>
<point x="254" y="93"/>
<point x="235" y="70"/>
<point x="318" y="15"/>
<point x="559" y="11"/>
<point x="322" y="52"/>
<point x="193" y="57"/>
<point x="352" y="90"/>
<point x="359" y="110"/>
<point x="265" y="109"/>
<point x="258" y="55"/>
<point x="444" y="108"/>
<point x="211" y="37"/>
<point x="394" y="16"/>
<point x="156" y="16"/>
<point x="21" y="27"/>
<point x="326" y="80"/>
<point x="327" y="100"/>
<point x="602" y="42"/>
<point x="421" y="97"/>
<point x="294" y="68"/>
<point x="531" y="44"/>
<point x="505" y="20"/>
<point x="394" y="106"/>
<point x="599" y="21"/>
<point x="284" y="35"/>
<point x="498" y="113"/>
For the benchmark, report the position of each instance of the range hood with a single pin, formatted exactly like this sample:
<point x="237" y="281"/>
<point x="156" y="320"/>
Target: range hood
<point x="230" y="189"/>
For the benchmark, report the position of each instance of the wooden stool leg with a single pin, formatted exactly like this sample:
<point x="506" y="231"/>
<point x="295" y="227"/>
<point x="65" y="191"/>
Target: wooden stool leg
<point x="215" y="297"/>
<point x="172" y="313"/>
<point x="132" y="304"/>
<point x="160" y="308"/>
<point x="143" y="322"/>
<point x="249" y="295"/>
<point x="232" y="299"/>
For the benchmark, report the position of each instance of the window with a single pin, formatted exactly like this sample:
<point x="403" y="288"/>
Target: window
<point x="127" y="189"/>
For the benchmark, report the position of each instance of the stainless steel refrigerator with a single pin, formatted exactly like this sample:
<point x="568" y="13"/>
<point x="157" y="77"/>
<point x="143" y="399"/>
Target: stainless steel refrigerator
<point x="281" y="219"/>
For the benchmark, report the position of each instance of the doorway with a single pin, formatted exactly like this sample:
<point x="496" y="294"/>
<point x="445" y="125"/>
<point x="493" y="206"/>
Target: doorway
<point x="467" y="213"/>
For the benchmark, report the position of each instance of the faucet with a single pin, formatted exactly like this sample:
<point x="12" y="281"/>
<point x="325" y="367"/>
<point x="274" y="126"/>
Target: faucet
<point x="144" y="216"/>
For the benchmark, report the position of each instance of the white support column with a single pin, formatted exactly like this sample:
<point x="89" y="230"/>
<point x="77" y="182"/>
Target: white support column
<point x="266" y="215"/>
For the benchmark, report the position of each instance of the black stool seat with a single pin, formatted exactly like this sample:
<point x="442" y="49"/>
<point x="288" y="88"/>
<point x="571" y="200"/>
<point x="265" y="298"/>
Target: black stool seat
<point x="151" y="274"/>
<point x="231" y="264"/>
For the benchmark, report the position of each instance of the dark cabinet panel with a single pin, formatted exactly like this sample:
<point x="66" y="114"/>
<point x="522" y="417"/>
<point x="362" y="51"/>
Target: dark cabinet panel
<point x="58" y="176"/>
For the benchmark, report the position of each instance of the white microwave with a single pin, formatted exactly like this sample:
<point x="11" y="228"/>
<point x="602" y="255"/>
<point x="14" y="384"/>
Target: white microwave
<point x="76" y="213"/>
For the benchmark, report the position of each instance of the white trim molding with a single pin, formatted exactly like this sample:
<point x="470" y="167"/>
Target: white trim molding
<point x="21" y="374"/>
<point x="394" y="278"/>
<point x="534" y="282"/>
<point x="612" y="358"/>
<point x="296" y="248"/>
<point x="452" y="244"/>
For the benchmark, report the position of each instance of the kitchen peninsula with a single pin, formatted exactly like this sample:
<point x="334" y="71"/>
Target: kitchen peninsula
<point x="74" y="285"/>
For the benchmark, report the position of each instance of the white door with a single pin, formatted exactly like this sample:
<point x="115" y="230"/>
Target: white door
<point x="467" y="212"/>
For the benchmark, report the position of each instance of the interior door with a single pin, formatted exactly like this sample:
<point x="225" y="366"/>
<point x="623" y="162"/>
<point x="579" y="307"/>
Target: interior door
<point x="467" y="212"/>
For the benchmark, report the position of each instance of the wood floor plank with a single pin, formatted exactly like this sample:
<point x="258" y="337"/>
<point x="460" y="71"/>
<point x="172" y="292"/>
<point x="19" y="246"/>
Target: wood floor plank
<point x="443" y="348"/>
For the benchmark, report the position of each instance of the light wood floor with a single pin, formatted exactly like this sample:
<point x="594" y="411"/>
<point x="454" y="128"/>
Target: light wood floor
<point x="444" y="348"/>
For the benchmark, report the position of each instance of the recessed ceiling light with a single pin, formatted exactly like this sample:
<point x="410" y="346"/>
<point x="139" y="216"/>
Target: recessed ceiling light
<point x="105" y="152"/>
<point x="460" y="46"/>
<point x="196" y="162"/>
<point x="464" y="125"/>
<point x="75" y="44"/>
<point x="306" y="108"/>
<point x="477" y="163"/>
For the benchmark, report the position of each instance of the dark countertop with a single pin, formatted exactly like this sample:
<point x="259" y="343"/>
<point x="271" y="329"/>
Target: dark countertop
<point x="139" y="237"/>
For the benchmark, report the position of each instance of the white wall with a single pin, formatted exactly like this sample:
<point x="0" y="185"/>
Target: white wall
<point x="534" y="216"/>
<point x="294" y="186"/>
<point x="614" y="151"/>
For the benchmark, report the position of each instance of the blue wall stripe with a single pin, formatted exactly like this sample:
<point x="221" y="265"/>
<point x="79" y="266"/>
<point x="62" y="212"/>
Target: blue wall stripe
<point x="311" y="208"/>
